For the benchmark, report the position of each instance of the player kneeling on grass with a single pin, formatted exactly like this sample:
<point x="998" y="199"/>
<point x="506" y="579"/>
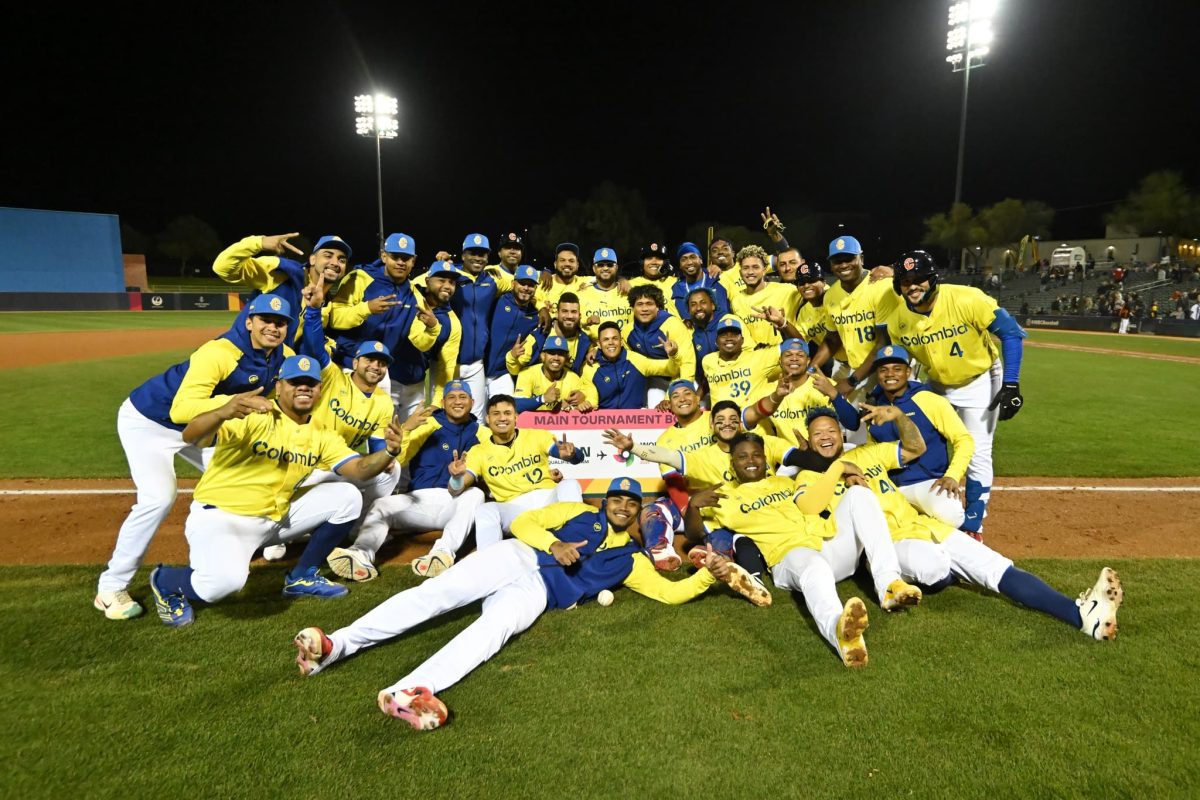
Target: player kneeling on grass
<point x="564" y="554"/>
<point x="246" y="498"/>
<point x="808" y="552"/>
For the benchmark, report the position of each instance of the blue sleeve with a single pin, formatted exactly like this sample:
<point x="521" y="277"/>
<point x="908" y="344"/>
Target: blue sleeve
<point x="527" y="403"/>
<point x="847" y="414"/>
<point x="577" y="458"/>
<point x="721" y="301"/>
<point x="375" y="444"/>
<point x="312" y="344"/>
<point x="1010" y="335"/>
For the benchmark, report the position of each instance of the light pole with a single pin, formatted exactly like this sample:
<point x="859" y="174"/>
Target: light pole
<point x="377" y="119"/>
<point x="968" y="39"/>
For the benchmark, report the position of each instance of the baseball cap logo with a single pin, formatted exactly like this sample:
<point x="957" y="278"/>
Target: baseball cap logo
<point x="840" y="244"/>
<point x="910" y="263"/>
<point x="335" y="238"/>
<point x="276" y="304"/>
<point x="887" y="351"/>
<point x="303" y="364"/>
<point x="379" y="347"/>
<point x="404" y="241"/>
<point x="604" y="253"/>
<point x="624" y="484"/>
<point x="478" y="239"/>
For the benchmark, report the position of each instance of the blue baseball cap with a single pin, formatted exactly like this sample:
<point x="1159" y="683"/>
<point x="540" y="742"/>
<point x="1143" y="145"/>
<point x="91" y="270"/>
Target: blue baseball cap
<point x="892" y="354"/>
<point x="845" y="245"/>
<point x="729" y="322"/>
<point x="333" y="243"/>
<point x="476" y="241"/>
<point x="685" y="248"/>
<point x="527" y="273"/>
<point x="445" y="268"/>
<point x="557" y="344"/>
<point x="400" y="243"/>
<point x="300" y="367"/>
<point x="681" y="383"/>
<point x="626" y="486"/>
<point x="374" y="348"/>
<point x="793" y="344"/>
<point x="604" y="254"/>
<point x="269" y="304"/>
<point x="458" y="386"/>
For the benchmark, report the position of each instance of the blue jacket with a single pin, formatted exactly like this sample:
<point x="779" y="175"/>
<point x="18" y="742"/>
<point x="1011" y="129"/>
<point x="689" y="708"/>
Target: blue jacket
<point x="595" y="571"/>
<point x="430" y="466"/>
<point x="473" y="302"/>
<point x="391" y="327"/>
<point x="644" y="339"/>
<point x="933" y="462"/>
<point x="510" y="323"/>
<point x="704" y="341"/>
<point x="576" y="365"/>
<point x="289" y="290"/>
<point x="681" y="289"/>
<point x="619" y="383"/>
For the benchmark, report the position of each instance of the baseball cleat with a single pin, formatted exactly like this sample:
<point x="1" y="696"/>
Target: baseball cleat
<point x="310" y="584"/>
<point x="312" y="645"/>
<point x="433" y="564"/>
<point x="698" y="555"/>
<point x="748" y="586"/>
<point x="418" y="707"/>
<point x="665" y="558"/>
<point x="1098" y="606"/>
<point x="117" y="605"/>
<point x="850" y="627"/>
<point x="900" y="594"/>
<point x="172" y="607"/>
<point x="351" y="565"/>
<point x="274" y="552"/>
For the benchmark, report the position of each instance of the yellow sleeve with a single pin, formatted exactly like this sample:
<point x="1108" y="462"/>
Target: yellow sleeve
<point x="814" y="497"/>
<point x="535" y="527"/>
<point x="237" y="264"/>
<point x="208" y="366"/>
<point x="587" y="387"/>
<point x="678" y="333"/>
<point x="514" y="365"/>
<point x="657" y="367"/>
<point x="962" y="444"/>
<point x="767" y="360"/>
<point x="776" y="449"/>
<point x="347" y="309"/>
<point x="526" y="384"/>
<point x="421" y="337"/>
<point x="413" y="440"/>
<point x="445" y="366"/>
<point x="648" y="581"/>
<point x="334" y="450"/>
<point x="475" y="461"/>
<point x="503" y="279"/>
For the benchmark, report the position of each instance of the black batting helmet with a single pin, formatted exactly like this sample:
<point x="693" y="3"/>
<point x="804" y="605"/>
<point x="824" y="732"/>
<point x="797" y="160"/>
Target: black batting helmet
<point x="915" y="264"/>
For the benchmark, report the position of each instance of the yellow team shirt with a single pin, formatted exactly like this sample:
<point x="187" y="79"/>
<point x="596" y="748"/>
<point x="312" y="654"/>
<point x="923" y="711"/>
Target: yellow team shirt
<point x="777" y="295"/>
<point x="516" y="468"/>
<point x="765" y="511"/>
<point x="515" y="365"/>
<point x="607" y="304"/>
<point x="953" y="341"/>
<point x="813" y="324"/>
<point x="710" y="466"/>
<point x="212" y="362"/>
<point x="790" y="413"/>
<point x="350" y="412"/>
<point x="549" y="297"/>
<point x="665" y="285"/>
<point x="348" y="310"/>
<point x="904" y="521"/>
<point x="502" y="277"/>
<point x="743" y="380"/>
<point x="533" y="382"/>
<point x="261" y="460"/>
<point x="686" y="439"/>
<point x="854" y="316"/>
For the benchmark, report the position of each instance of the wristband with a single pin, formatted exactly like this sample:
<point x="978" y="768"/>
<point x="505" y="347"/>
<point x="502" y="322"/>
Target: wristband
<point x="762" y="409"/>
<point x="388" y="450"/>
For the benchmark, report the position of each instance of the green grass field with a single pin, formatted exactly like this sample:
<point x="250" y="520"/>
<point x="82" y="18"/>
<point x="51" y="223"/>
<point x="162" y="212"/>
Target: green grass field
<point x="966" y="696"/>
<point x="66" y="321"/>
<point x="1133" y="344"/>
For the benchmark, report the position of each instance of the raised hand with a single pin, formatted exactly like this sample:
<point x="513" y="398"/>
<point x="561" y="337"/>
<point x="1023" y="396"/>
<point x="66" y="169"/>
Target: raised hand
<point x="550" y="396"/>
<point x="706" y="498"/>
<point x="458" y="466"/>
<point x="417" y="419"/>
<point x="782" y="389"/>
<point x="245" y="404"/>
<point x="566" y="450"/>
<point x="279" y="244"/>
<point x="879" y="415"/>
<point x="668" y="345"/>
<point x="773" y="315"/>
<point x="622" y="441"/>
<point x="822" y="384"/>
<point x="518" y="348"/>
<point x="378" y="305"/>
<point x="772" y="225"/>
<point x="427" y="318"/>
<point x="314" y="293"/>
<point x="566" y="553"/>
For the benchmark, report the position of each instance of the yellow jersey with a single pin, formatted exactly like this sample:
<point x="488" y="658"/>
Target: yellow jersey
<point x="533" y="382"/>
<point x="261" y="460"/>
<point x="710" y="466"/>
<point x="904" y="521"/>
<point x="776" y="295"/>
<point x="790" y="414"/>
<point x="855" y="315"/>
<point x="549" y="297"/>
<point x="516" y="365"/>
<point x="607" y="304"/>
<point x="813" y="324"/>
<point x="686" y="439"/>
<point x="665" y="285"/>
<point x="952" y="341"/>
<point x="765" y="512"/>
<point x="513" y="469"/>
<point x="350" y="412"/>
<point x="743" y="380"/>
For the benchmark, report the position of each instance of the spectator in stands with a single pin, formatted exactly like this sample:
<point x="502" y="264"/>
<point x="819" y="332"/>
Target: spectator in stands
<point x="1194" y="311"/>
<point x="1154" y="310"/>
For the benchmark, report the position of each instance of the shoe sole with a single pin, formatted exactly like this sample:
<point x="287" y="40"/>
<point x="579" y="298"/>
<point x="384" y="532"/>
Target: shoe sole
<point x="424" y="713"/>
<point x="1110" y="588"/>
<point x="744" y="584"/>
<point x="308" y="655"/>
<point x="340" y="595"/>
<point x="433" y="566"/>
<point x="851" y="626"/>
<point x="906" y="598"/>
<point x="347" y="567"/>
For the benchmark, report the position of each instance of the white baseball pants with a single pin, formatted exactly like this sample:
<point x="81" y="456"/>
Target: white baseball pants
<point x="502" y="384"/>
<point x="971" y="401"/>
<point x="970" y="560"/>
<point x="150" y="449"/>
<point x="407" y="398"/>
<point x="656" y="390"/>
<point x="382" y="485"/>
<point x="474" y="375"/>
<point x="222" y="544"/>
<point x="939" y="506"/>
<point x="418" y="511"/>
<point x="495" y="519"/>
<point x="861" y="526"/>
<point x="506" y="578"/>
<point x="855" y="398"/>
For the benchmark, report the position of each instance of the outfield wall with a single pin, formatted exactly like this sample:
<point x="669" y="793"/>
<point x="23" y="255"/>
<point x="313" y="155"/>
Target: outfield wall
<point x="1068" y="322"/>
<point x="60" y="251"/>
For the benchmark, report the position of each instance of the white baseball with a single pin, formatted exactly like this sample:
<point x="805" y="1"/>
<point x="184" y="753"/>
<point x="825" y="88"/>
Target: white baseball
<point x="605" y="598"/>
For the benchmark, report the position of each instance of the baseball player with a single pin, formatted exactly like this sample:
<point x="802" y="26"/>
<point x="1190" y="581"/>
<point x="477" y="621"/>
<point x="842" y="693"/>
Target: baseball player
<point x="703" y="321"/>
<point x="247" y="497"/>
<point x="949" y="330"/>
<point x="509" y="253"/>
<point x="652" y="327"/>
<point x="242" y="263"/>
<point x="810" y="322"/>
<point x="514" y="318"/>
<point x="618" y="377"/>
<point x="550" y="386"/>
<point x="655" y="271"/>
<point x="472" y="303"/>
<point x="428" y="505"/>
<point x="515" y="466"/>
<point x="246" y="357"/>
<point x="807" y="551"/>
<point x="785" y="409"/>
<point x="566" y="278"/>
<point x="734" y="372"/>
<point x="935" y="554"/>
<point x="692" y="277"/>
<point x="605" y="300"/>
<point x="563" y="555"/>
<point x="757" y="294"/>
<point x="566" y="327"/>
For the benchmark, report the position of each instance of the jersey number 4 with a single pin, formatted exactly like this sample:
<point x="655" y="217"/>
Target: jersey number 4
<point x="956" y="350"/>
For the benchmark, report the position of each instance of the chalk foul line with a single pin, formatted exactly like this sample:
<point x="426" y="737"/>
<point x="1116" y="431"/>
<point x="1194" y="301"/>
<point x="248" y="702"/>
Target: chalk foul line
<point x="1129" y="489"/>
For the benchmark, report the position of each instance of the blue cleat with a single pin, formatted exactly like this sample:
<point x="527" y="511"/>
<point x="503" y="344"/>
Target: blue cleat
<point x="310" y="584"/>
<point x="173" y="608"/>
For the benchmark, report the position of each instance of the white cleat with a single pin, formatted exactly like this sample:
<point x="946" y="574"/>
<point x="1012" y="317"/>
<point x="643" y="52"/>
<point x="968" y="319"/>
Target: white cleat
<point x="433" y="564"/>
<point x="312" y="645"/>
<point x="418" y="707"/>
<point x="1098" y="606"/>
<point x="117" y="605"/>
<point x="275" y="552"/>
<point x="352" y="565"/>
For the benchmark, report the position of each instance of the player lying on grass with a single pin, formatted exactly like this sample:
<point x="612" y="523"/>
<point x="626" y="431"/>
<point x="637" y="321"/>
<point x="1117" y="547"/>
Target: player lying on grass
<point x="563" y="555"/>
<point x="247" y="497"/>
<point x="936" y="555"/>
<point x="808" y="552"/>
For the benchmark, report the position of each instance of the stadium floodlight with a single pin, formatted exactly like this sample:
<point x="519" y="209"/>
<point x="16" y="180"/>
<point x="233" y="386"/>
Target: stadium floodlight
<point x="377" y="119"/>
<point x="969" y="38"/>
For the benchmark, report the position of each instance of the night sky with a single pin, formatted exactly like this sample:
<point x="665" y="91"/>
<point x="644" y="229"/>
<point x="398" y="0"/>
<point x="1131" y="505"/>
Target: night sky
<point x="244" y="116"/>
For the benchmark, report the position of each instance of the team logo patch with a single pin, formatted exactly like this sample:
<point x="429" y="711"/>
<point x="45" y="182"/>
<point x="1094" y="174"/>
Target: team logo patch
<point x="478" y="239"/>
<point x="604" y="253"/>
<point x="508" y="308"/>
<point x="596" y="527"/>
<point x="910" y="263"/>
<point x="512" y="237"/>
<point x="624" y="484"/>
<point x="445" y="446"/>
<point x="840" y="244"/>
<point x="276" y="304"/>
<point x="403" y="241"/>
<point x="303" y="364"/>
<point x="253" y="379"/>
<point x="887" y="351"/>
<point x="335" y="238"/>
<point x="379" y="347"/>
